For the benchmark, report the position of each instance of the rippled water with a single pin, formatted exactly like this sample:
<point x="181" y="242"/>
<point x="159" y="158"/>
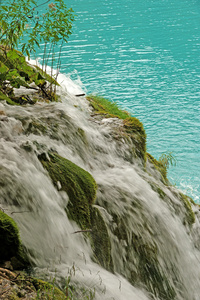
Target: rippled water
<point x="145" y="56"/>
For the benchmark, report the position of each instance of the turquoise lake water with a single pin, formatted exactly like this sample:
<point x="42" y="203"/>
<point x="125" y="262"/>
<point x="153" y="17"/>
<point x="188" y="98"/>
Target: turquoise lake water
<point x="144" y="55"/>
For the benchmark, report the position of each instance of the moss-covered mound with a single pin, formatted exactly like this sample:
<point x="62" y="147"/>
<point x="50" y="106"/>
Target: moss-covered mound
<point x="103" y="106"/>
<point x="76" y="182"/>
<point x="189" y="213"/>
<point x="15" y="72"/>
<point x="161" y="168"/>
<point x="81" y="189"/>
<point x="135" y="130"/>
<point x="132" y="129"/>
<point x="9" y="238"/>
<point x="46" y="290"/>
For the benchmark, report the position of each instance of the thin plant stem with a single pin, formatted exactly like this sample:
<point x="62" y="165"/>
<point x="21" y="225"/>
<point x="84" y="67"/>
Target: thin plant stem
<point x="47" y="59"/>
<point x="44" y="54"/>
<point x="52" y="62"/>
<point x="58" y="65"/>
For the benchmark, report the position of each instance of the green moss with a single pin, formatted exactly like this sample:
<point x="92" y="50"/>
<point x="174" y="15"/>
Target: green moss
<point x="9" y="237"/>
<point x="187" y="201"/>
<point x="133" y="128"/>
<point x="36" y="128"/>
<point x="81" y="189"/>
<point x="46" y="290"/>
<point x="13" y="296"/>
<point x="190" y="216"/>
<point x="136" y="132"/>
<point x="22" y="286"/>
<point x="148" y="267"/>
<point x="159" y="167"/>
<point x="141" y="261"/>
<point x="106" y="107"/>
<point x="79" y="185"/>
<point x="100" y="240"/>
<point x="191" y="200"/>
<point x="12" y="100"/>
<point x="81" y="134"/>
<point x="160" y="192"/>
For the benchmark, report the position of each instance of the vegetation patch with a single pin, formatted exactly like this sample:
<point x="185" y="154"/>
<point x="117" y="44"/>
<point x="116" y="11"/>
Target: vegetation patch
<point x="185" y="211"/>
<point x="9" y="239"/>
<point x="16" y="286"/>
<point x="136" y="132"/>
<point x="132" y="128"/>
<point x="149" y="268"/>
<point x="81" y="189"/>
<point x="107" y="108"/>
<point x="46" y="290"/>
<point x="158" y="190"/>
<point x="159" y="166"/>
<point x="142" y="261"/>
<point x="8" y="100"/>
<point x="77" y="183"/>
<point x="190" y="216"/>
<point x="15" y="72"/>
<point x="21" y="18"/>
<point x="100" y="240"/>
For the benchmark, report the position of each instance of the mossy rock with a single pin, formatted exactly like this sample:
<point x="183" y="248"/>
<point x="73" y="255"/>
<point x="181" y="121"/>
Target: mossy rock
<point x="132" y="128"/>
<point x="106" y="108"/>
<point x="19" y="285"/>
<point x="100" y="240"/>
<point x="76" y="182"/>
<point x="81" y="189"/>
<point x="135" y="130"/>
<point x="147" y="267"/>
<point x="139" y="261"/>
<point x="159" y="167"/>
<point x="184" y="211"/>
<point x="37" y="128"/>
<point x="47" y="291"/>
<point x="189" y="215"/>
<point x="9" y="238"/>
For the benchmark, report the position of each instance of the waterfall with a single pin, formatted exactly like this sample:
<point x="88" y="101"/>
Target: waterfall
<point x="154" y="246"/>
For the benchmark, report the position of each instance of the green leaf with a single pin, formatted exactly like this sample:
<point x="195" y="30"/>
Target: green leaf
<point x="40" y="82"/>
<point x="12" y="54"/>
<point x="27" y="53"/>
<point x="18" y="81"/>
<point x="3" y="68"/>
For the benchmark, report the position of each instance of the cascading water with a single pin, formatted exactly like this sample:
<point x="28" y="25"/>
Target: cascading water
<point x="154" y="248"/>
